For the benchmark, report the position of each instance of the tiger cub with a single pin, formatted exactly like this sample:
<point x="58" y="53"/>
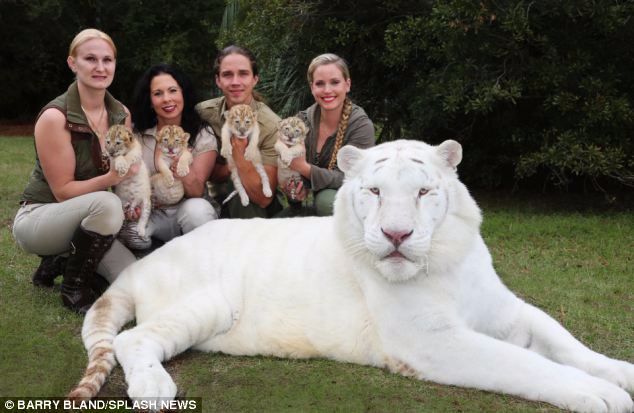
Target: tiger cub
<point x="290" y="145"/>
<point x="124" y="150"/>
<point x="172" y="141"/>
<point x="242" y="122"/>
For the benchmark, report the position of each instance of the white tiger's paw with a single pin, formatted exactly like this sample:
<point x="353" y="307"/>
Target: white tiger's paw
<point x="226" y="151"/>
<point x="618" y="372"/>
<point x="595" y="395"/>
<point x="150" y="382"/>
<point x="141" y="231"/>
<point x="121" y="166"/>
<point x="267" y="191"/>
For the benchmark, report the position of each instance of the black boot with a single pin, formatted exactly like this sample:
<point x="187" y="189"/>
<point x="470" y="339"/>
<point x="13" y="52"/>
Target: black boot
<point x="50" y="267"/>
<point x="87" y="250"/>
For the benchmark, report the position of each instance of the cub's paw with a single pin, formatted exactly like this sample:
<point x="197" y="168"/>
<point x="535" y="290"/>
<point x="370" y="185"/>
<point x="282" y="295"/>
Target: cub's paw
<point x="244" y="199"/>
<point x="226" y="151"/>
<point x="121" y="166"/>
<point x="287" y="158"/>
<point x="266" y="190"/>
<point x="182" y="169"/>
<point x="150" y="383"/>
<point x="169" y="179"/>
<point x="251" y="153"/>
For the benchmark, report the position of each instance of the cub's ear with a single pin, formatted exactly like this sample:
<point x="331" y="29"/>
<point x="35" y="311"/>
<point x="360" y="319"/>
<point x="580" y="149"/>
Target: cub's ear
<point x="186" y="136"/>
<point x="348" y="158"/>
<point x="451" y="152"/>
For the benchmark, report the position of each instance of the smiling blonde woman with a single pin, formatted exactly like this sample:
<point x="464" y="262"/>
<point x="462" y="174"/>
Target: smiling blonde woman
<point x="333" y="121"/>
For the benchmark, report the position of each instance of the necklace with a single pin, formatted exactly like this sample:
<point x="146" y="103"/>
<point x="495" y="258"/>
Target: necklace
<point x="105" y="161"/>
<point x="93" y="125"/>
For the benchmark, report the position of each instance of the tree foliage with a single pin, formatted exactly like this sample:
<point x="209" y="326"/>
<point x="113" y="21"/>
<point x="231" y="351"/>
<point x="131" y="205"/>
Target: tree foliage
<point x="145" y="33"/>
<point x="530" y="88"/>
<point x="536" y="91"/>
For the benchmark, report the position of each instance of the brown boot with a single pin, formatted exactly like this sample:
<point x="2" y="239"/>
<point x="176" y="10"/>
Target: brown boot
<point x="50" y="267"/>
<point x="87" y="250"/>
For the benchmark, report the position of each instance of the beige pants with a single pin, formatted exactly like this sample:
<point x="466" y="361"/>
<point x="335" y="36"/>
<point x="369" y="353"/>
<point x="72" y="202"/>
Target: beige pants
<point x="47" y="229"/>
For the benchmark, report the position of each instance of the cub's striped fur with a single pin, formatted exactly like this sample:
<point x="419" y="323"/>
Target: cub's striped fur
<point x="135" y="191"/>
<point x="242" y="122"/>
<point x="172" y="141"/>
<point x="290" y="145"/>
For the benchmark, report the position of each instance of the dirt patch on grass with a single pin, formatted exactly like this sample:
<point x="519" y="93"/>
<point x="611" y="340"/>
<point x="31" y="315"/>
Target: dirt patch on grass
<point x="16" y="129"/>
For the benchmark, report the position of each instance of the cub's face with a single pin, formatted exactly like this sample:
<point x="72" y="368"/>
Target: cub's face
<point x="241" y="120"/>
<point x="172" y="140"/>
<point x="398" y="196"/>
<point x="292" y="131"/>
<point x="118" y="140"/>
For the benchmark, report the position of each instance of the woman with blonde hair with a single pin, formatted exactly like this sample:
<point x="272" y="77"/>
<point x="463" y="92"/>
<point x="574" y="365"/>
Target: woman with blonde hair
<point x="67" y="215"/>
<point x="333" y="121"/>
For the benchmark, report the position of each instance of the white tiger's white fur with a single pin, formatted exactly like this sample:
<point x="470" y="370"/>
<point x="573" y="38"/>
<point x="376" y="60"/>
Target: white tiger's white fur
<point x="399" y="278"/>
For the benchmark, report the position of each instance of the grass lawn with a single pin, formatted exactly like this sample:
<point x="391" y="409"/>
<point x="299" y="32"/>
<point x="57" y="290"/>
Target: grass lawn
<point x="577" y="266"/>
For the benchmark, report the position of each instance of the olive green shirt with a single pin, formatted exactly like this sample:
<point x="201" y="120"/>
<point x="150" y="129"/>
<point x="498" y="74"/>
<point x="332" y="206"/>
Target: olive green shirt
<point x="359" y="133"/>
<point x="89" y="160"/>
<point x="213" y="112"/>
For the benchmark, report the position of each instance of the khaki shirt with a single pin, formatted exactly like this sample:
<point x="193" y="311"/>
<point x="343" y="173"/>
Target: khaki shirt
<point x="212" y="111"/>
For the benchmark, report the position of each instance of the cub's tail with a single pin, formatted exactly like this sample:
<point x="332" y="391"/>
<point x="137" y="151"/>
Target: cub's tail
<point x="101" y="325"/>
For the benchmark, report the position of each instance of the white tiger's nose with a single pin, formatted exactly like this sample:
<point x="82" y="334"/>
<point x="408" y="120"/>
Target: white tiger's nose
<point x="396" y="237"/>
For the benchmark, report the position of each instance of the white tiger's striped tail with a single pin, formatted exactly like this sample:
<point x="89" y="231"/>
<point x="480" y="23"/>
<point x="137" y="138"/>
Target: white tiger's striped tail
<point x="102" y="323"/>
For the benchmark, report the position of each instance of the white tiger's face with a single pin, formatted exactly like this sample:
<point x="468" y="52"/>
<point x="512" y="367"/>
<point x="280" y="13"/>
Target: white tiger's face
<point x="398" y="196"/>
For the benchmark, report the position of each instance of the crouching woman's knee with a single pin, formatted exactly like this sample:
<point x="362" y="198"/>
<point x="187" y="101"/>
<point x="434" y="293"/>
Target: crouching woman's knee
<point x="105" y="214"/>
<point x="194" y="212"/>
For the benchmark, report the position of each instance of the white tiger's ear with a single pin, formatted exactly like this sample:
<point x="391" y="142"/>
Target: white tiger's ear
<point x="348" y="157"/>
<point x="450" y="151"/>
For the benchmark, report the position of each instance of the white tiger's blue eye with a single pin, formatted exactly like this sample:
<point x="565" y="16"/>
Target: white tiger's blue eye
<point x="375" y="191"/>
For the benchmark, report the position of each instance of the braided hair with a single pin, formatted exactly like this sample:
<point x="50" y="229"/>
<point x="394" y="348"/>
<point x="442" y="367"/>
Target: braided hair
<point x="341" y="130"/>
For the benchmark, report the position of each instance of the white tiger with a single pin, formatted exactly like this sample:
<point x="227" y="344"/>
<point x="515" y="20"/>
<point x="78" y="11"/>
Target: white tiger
<point x="399" y="278"/>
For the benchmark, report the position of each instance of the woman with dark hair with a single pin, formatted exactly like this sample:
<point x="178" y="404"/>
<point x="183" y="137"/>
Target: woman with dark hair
<point x="164" y="96"/>
<point x="236" y="74"/>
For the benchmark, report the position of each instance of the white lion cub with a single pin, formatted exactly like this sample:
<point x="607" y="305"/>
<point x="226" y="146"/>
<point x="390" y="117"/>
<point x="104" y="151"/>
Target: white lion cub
<point x="124" y="150"/>
<point x="289" y="145"/>
<point x="242" y="122"/>
<point x="398" y="278"/>
<point x="172" y="141"/>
